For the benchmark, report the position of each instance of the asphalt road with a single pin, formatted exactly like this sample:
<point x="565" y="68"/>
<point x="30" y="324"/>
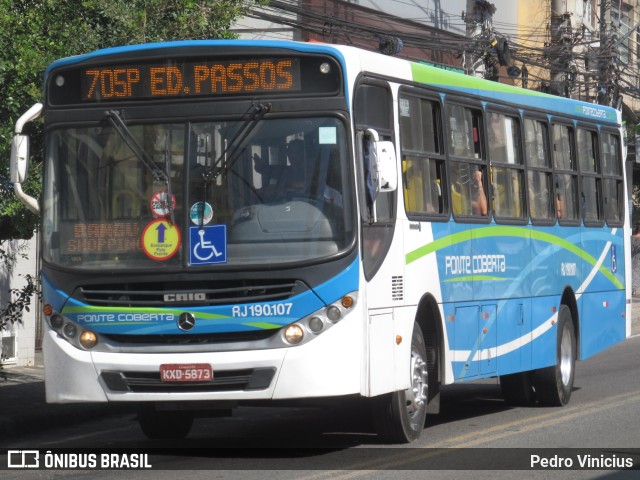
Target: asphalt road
<point x="604" y="413"/>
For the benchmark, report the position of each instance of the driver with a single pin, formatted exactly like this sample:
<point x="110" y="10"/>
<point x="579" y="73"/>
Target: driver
<point x="291" y="179"/>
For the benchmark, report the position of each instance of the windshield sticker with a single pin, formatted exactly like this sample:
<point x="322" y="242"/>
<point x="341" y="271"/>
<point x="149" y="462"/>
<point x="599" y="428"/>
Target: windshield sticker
<point x="405" y="107"/>
<point x="208" y="245"/>
<point x="160" y="240"/>
<point x="196" y="213"/>
<point x="160" y="204"/>
<point x="327" y="135"/>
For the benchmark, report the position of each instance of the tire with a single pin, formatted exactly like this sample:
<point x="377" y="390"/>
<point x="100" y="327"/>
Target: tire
<point x="554" y="384"/>
<point x="517" y="389"/>
<point x="164" y="425"/>
<point x="399" y="417"/>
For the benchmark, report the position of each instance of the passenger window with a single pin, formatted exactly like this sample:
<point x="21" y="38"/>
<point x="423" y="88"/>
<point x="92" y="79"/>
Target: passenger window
<point x="468" y="189"/>
<point x="464" y="132"/>
<point x="612" y="173"/>
<point x="507" y="170"/>
<point x="566" y="178"/>
<point x="591" y="183"/>
<point x="539" y="175"/>
<point x="422" y="161"/>
<point x="468" y="166"/>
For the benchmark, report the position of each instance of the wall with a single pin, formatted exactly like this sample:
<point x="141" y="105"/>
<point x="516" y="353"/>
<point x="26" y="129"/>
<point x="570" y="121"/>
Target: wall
<point x="11" y="278"/>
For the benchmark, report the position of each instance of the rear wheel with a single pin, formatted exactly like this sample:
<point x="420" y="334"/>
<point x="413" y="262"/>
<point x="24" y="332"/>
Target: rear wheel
<point x="400" y="416"/>
<point x="164" y="425"/>
<point x="554" y="384"/>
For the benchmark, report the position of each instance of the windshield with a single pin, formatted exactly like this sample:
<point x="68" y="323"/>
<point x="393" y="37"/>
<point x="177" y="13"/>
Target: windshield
<point x="179" y="195"/>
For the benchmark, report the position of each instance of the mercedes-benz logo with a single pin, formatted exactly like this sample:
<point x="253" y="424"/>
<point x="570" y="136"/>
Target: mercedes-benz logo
<point x="186" y="321"/>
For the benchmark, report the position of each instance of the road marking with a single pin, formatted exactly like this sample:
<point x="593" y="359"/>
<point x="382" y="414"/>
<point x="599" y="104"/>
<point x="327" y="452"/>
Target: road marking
<point x="539" y="421"/>
<point x="483" y="436"/>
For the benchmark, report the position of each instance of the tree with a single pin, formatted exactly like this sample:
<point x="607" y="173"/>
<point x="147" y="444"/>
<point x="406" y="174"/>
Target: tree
<point x="33" y="33"/>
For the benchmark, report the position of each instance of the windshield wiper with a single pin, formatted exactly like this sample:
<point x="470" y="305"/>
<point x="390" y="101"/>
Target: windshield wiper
<point x="159" y="175"/>
<point x="211" y="173"/>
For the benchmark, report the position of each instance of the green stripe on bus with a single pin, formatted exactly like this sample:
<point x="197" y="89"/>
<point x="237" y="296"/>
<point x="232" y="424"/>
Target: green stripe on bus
<point x="438" y="76"/>
<point x="488" y="232"/>
<point x="263" y="325"/>
<point x="470" y="278"/>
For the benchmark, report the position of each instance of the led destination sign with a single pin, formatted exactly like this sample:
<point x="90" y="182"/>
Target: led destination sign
<point x="190" y="78"/>
<point x="247" y="74"/>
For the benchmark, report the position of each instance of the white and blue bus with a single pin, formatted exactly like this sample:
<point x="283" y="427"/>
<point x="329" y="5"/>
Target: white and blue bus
<point x="231" y="221"/>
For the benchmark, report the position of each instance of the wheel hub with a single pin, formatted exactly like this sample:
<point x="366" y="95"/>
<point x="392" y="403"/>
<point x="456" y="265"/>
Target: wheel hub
<point x="416" y="395"/>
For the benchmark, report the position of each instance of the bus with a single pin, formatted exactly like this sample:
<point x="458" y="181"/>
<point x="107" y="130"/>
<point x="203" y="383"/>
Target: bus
<point x="227" y="222"/>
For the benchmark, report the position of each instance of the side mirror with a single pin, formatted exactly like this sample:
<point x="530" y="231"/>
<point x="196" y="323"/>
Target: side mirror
<point x="19" y="158"/>
<point x="19" y="161"/>
<point x="384" y="166"/>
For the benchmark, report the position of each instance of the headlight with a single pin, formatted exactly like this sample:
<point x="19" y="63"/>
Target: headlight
<point x="333" y="313"/>
<point x="70" y="330"/>
<point x="294" y="334"/>
<point x="85" y="339"/>
<point x="88" y="339"/>
<point x="306" y="329"/>
<point x="316" y="324"/>
<point x="56" y="321"/>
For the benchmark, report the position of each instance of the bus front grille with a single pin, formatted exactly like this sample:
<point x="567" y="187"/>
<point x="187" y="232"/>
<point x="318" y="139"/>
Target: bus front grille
<point x="223" y="381"/>
<point x="122" y="340"/>
<point x="200" y="293"/>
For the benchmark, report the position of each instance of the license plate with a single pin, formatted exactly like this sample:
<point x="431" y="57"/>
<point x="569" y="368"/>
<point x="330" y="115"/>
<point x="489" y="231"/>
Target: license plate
<point x="180" y="372"/>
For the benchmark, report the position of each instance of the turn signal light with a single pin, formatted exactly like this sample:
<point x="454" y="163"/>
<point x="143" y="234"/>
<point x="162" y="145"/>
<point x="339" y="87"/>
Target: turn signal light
<point x="347" y="301"/>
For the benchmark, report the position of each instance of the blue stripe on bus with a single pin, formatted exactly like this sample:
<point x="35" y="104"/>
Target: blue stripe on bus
<point x="493" y="326"/>
<point x="213" y="319"/>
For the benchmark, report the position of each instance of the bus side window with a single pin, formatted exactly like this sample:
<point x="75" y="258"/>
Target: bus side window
<point x="613" y="181"/>
<point x="423" y="180"/>
<point x="465" y="132"/>
<point x="591" y="183"/>
<point x="422" y="159"/>
<point x="539" y="173"/>
<point x="566" y="179"/>
<point x="373" y="110"/>
<point x="507" y="169"/>
<point x="468" y="169"/>
<point x="468" y="189"/>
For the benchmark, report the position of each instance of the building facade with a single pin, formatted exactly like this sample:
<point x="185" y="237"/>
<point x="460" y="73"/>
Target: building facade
<point x="19" y="340"/>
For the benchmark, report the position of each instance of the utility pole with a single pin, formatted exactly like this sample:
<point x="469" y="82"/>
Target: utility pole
<point x="561" y="57"/>
<point x="607" y="91"/>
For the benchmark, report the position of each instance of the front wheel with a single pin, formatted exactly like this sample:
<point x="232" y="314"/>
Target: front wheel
<point x="399" y="417"/>
<point x="554" y="384"/>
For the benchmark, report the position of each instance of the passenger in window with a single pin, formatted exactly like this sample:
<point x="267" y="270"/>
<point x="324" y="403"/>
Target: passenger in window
<point x="467" y="190"/>
<point x="478" y="197"/>
<point x="560" y="203"/>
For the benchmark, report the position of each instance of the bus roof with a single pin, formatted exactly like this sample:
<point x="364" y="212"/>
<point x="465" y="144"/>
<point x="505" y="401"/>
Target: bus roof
<point x="356" y="61"/>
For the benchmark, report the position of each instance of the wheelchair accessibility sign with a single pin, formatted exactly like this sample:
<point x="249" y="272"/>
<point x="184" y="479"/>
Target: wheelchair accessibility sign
<point x="208" y="245"/>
